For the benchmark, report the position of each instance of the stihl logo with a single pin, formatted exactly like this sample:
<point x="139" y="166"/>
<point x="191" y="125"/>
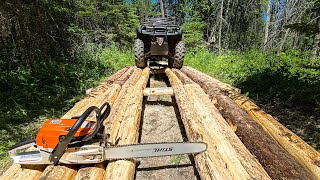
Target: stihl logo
<point x="162" y="149"/>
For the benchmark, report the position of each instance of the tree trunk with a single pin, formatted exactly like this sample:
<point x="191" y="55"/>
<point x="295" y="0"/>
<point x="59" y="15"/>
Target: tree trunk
<point x="316" y="41"/>
<point x="220" y="26"/>
<point x="162" y="9"/>
<point x="266" y="27"/>
<point x="283" y="41"/>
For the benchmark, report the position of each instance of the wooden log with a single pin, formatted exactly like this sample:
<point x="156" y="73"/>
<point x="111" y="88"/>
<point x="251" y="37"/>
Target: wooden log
<point x="91" y="172"/>
<point x="112" y="123"/>
<point x="128" y="131"/>
<point x="22" y="172"/>
<point x="86" y="102"/>
<point x="277" y="162"/>
<point x="161" y="91"/>
<point x="108" y="96"/>
<point x="17" y="171"/>
<point x="226" y="156"/>
<point x="225" y="86"/>
<point x="67" y="172"/>
<point x="307" y="156"/>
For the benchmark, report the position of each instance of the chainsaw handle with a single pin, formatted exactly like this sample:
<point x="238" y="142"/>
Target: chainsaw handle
<point x="59" y="150"/>
<point x="105" y="114"/>
<point x="100" y="118"/>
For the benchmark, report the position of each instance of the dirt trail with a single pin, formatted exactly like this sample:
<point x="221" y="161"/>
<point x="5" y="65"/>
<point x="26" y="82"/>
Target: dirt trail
<point x="161" y="123"/>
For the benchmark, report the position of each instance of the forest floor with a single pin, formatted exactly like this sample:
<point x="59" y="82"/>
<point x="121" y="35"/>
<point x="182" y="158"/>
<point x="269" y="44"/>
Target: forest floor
<point x="161" y="122"/>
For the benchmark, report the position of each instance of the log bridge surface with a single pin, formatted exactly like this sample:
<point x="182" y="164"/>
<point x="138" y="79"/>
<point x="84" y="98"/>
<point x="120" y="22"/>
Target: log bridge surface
<point x="243" y="141"/>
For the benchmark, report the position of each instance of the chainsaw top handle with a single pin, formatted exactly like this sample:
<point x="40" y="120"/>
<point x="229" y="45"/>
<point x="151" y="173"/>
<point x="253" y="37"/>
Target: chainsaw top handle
<point x="60" y="148"/>
<point x="100" y="117"/>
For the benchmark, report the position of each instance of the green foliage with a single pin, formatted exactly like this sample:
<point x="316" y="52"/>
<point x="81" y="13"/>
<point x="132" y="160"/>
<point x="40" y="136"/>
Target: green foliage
<point x="289" y="76"/>
<point x="105" y="22"/>
<point x="193" y="34"/>
<point x="288" y="85"/>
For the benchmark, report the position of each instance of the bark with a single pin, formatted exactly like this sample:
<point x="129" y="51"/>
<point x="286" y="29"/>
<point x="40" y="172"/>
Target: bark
<point x="220" y="26"/>
<point x="226" y="157"/>
<point x="316" y="41"/>
<point x="266" y="27"/>
<point x="162" y="9"/>
<point x="303" y="153"/>
<point x="276" y="161"/>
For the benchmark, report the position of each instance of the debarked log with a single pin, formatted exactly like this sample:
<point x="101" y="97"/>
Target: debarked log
<point x="277" y="161"/>
<point x="124" y="129"/>
<point x="106" y="93"/>
<point x="226" y="157"/>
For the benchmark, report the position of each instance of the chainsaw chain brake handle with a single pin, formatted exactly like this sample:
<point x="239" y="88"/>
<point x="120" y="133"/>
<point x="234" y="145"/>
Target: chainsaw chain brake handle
<point x="60" y="148"/>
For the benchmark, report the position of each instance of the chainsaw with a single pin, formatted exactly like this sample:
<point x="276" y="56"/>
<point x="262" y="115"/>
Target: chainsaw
<point x="82" y="141"/>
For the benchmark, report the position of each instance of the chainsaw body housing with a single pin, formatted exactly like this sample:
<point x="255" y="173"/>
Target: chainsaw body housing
<point x="55" y="130"/>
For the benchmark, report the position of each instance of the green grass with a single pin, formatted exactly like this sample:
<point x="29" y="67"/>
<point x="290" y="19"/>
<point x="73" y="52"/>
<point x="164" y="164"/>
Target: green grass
<point x="286" y="85"/>
<point x="31" y="94"/>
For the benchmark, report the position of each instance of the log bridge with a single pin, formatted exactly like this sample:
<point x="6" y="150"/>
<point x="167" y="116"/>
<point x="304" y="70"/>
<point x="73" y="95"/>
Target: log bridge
<point x="243" y="141"/>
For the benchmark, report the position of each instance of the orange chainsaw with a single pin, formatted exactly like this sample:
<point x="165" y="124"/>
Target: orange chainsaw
<point x="82" y="141"/>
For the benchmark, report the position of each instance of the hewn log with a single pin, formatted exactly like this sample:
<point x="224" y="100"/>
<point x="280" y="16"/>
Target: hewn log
<point x="226" y="156"/>
<point x="108" y="96"/>
<point x="277" y="162"/>
<point x="161" y="91"/>
<point x="34" y="171"/>
<point x="128" y="129"/>
<point x="17" y="171"/>
<point x="307" y="156"/>
<point x="66" y="172"/>
<point x="225" y="86"/>
<point x="91" y="172"/>
<point x="112" y="123"/>
<point x="86" y="102"/>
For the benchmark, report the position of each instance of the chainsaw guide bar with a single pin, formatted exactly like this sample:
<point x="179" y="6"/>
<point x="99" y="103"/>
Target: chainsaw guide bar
<point x="81" y="141"/>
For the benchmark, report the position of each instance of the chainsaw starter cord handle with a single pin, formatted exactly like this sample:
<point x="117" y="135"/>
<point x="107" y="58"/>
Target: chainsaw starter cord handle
<point x="59" y="150"/>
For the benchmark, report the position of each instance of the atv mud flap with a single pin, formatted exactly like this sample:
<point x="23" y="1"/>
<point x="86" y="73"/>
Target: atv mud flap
<point x="159" y="47"/>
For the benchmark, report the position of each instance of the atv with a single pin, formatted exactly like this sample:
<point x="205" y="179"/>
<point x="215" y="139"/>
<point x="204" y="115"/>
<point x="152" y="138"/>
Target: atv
<point x="157" y="39"/>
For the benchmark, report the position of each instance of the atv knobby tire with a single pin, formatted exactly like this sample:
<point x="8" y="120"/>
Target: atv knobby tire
<point x="139" y="54"/>
<point x="178" y="56"/>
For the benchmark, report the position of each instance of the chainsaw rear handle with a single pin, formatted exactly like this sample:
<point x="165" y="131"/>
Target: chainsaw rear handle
<point x="59" y="150"/>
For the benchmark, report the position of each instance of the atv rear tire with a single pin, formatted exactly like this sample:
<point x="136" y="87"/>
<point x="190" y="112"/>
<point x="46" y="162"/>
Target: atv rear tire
<point x="179" y="55"/>
<point x="139" y="54"/>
